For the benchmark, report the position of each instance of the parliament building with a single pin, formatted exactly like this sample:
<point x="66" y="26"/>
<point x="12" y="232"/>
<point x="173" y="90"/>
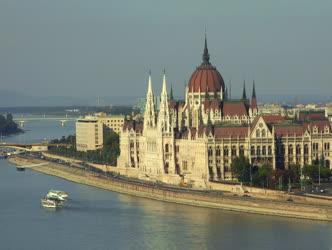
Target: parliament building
<point x="195" y="140"/>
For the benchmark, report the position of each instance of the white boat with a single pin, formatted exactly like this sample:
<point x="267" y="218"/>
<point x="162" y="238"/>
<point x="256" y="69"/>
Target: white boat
<point x="56" y="194"/>
<point x="50" y="203"/>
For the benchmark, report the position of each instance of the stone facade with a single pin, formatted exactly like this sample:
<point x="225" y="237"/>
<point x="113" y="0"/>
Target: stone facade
<point x="195" y="141"/>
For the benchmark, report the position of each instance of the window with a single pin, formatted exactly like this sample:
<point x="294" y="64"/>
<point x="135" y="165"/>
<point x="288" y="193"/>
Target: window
<point x="263" y="133"/>
<point x="306" y="149"/>
<point x="210" y="152"/>
<point x="166" y="148"/>
<point x="264" y="150"/>
<point x="269" y="150"/>
<point x="258" y="150"/>
<point x="298" y="149"/>
<point x="315" y="146"/>
<point x="218" y="151"/>
<point x="241" y="150"/>
<point x="233" y="151"/>
<point x="226" y="151"/>
<point x="326" y="146"/>
<point x="258" y="133"/>
<point x="252" y="150"/>
<point x="290" y="149"/>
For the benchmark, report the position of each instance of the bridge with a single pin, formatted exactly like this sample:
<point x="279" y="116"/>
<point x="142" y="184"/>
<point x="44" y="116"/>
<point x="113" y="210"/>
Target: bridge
<point x="62" y="119"/>
<point x="31" y="147"/>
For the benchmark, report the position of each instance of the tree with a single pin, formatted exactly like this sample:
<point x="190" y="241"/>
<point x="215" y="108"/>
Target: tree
<point x="311" y="171"/>
<point x="263" y="175"/>
<point x="240" y="168"/>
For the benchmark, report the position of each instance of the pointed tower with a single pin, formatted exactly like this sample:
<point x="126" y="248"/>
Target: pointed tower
<point x="226" y="94"/>
<point x="150" y="111"/>
<point x="164" y="123"/>
<point x="171" y="97"/>
<point x="206" y="56"/>
<point x="253" y="106"/>
<point x="244" y="94"/>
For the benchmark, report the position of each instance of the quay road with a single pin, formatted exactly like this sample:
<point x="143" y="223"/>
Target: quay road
<point x="84" y="166"/>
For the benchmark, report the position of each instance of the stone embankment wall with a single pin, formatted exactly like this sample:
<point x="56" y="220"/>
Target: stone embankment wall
<point x="233" y="188"/>
<point x="196" y="198"/>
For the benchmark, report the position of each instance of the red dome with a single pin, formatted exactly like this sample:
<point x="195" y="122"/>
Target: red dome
<point x="206" y="78"/>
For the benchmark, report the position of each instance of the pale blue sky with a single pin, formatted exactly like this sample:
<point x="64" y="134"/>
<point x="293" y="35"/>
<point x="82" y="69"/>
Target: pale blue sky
<point x="104" y="47"/>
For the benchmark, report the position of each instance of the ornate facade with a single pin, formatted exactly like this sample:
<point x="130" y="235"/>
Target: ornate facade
<point x="195" y="140"/>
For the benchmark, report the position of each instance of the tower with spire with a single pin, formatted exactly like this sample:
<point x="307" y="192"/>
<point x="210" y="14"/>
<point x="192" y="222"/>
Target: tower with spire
<point x="244" y="94"/>
<point x="206" y="56"/>
<point x="253" y="104"/>
<point x="164" y="122"/>
<point x="150" y="108"/>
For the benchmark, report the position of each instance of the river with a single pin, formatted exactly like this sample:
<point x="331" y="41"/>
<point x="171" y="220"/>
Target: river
<point x="98" y="219"/>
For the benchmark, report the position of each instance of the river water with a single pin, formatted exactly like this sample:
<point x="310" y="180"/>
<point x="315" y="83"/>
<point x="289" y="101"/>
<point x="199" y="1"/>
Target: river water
<point x="98" y="219"/>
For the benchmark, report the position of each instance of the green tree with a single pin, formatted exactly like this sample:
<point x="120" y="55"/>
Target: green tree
<point x="240" y="168"/>
<point x="263" y="175"/>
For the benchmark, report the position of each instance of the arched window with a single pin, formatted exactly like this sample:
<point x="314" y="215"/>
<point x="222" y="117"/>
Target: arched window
<point x="258" y="133"/>
<point x="210" y="151"/>
<point x="226" y="151"/>
<point x="258" y="150"/>
<point x="269" y="150"/>
<point x="218" y="151"/>
<point x="263" y="133"/>
<point x="241" y="150"/>
<point x="298" y="149"/>
<point x="264" y="150"/>
<point x="252" y="150"/>
<point x="290" y="149"/>
<point x="166" y="148"/>
<point x="233" y="150"/>
<point x="306" y="149"/>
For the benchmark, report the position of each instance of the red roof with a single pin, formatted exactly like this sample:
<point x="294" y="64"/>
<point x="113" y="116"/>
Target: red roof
<point x="206" y="78"/>
<point x="226" y="132"/>
<point x="319" y="124"/>
<point x="235" y="108"/>
<point x="290" y="130"/>
<point x="273" y="118"/>
<point x="312" y="116"/>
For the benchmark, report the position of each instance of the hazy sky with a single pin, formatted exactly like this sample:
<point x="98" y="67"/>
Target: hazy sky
<point x="106" y="48"/>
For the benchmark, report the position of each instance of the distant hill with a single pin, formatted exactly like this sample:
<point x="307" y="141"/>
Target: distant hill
<point x="16" y="99"/>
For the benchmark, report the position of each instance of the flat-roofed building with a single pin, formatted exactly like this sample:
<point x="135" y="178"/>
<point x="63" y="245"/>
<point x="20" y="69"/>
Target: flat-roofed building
<point x="89" y="134"/>
<point x="113" y="122"/>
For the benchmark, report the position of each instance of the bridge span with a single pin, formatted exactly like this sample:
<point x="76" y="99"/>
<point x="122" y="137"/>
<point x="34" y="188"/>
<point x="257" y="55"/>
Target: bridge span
<point x="62" y="119"/>
<point x="31" y="147"/>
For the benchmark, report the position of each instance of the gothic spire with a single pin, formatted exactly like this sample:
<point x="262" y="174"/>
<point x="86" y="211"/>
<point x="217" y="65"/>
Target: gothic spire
<point x="253" y="90"/>
<point x="206" y="56"/>
<point x="171" y="93"/>
<point x="226" y="93"/>
<point x="253" y="98"/>
<point x="244" y="94"/>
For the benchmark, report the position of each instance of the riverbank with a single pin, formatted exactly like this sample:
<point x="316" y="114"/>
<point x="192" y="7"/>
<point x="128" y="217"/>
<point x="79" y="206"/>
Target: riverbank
<point x="220" y="200"/>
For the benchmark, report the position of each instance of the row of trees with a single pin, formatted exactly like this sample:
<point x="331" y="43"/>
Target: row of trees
<point x="107" y="155"/>
<point x="266" y="176"/>
<point x="8" y="126"/>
